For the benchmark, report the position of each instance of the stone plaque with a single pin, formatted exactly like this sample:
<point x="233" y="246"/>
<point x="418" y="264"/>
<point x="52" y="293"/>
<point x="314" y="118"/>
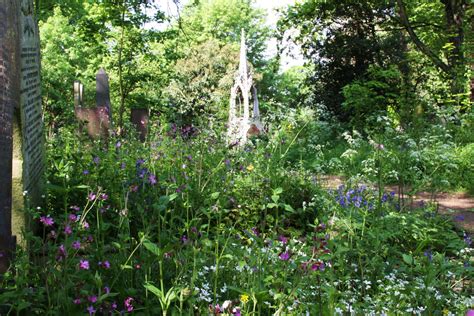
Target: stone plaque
<point x="31" y="111"/>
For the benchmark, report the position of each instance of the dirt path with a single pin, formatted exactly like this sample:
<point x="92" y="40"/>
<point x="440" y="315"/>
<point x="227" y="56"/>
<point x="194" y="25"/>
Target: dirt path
<point x="458" y="206"/>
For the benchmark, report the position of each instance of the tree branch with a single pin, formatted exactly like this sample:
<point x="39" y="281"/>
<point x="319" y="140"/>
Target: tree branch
<point x="421" y="46"/>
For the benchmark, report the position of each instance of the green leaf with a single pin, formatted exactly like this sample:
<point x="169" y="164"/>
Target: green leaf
<point x="153" y="289"/>
<point x="275" y="198"/>
<point x="215" y="195"/>
<point x="289" y="208"/>
<point x="277" y="191"/>
<point x="152" y="247"/>
<point x="272" y="205"/>
<point x="408" y="259"/>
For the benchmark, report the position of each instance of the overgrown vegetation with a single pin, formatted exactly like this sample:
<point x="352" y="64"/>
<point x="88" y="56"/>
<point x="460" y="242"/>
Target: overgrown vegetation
<point x="181" y="224"/>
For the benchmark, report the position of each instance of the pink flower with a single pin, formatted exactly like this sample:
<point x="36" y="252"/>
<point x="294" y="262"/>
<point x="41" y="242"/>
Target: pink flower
<point x="77" y="301"/>
<point x="76" y="245"/>
<point x="47" y="220"/>
<point x="68" y="230"/>
<point x="84" y="264"/>
<point x="106" y="264"/>
<point x="470" y="312"/>
<point x="128" y="304"/>
<point x="285" y="256"/>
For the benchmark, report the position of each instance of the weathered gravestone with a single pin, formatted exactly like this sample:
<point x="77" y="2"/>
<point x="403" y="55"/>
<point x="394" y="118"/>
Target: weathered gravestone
<point x="140" y="118"/>
<point x="21" y="125"/>
<point x="98" y="119"/>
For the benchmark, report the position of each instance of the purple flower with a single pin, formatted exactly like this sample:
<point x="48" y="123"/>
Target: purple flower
<point x="236" y="311"/>
<point x="85" y="225"/>
<point x="283" y="239"/>
<point x="467" y="239"/>
<point x="76" y="245"/>
<point x="122" y="165"/>
<point x="47" y="220"/>
<point x="470" y="312"/>
<point x="114" y="305"/>
<point x="318" y="266"/>
<point x="92" y="196"/>
<point x="106" y="264"/>
<point x="68" y="230"/>
<point x="92" y="298"/>
<point x="91" y="310"/>
<point x="96" y="160"/>
<point x="103" y="196"/>
<point x="61" y="253"/>
<point x="77" y="301"/>
<point x="428" y="254"/>
<point x="152" y="179"/>
<point x="285" y="256"/>
<point x="139" y="162"/>
<point x="118" y="144"/>
<point x="84" y="264"/>
<point x="85" y="172"/>
<point x="128" y="304"/>
<point x="107" y="290"/>
<point x="75" y="208"/>
<point x="72" y="217"/>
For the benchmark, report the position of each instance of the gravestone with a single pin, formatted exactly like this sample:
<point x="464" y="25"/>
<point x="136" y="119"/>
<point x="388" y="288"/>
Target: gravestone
<point x="96" y="120"/>
<point x="21" y="125"/>
<point x="103" y="90"/>
<point x="140" y="118"/>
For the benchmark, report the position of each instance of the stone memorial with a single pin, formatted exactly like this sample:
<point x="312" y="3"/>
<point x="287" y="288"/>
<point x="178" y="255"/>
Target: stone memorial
<point x="21" y="124"/>
<point x="140" y="118"/>
<point x="97" y="120"/>
<point x="103" y="91"/>
<point x="243" y="124"/>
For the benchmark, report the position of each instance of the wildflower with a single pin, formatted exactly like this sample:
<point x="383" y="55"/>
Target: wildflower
<point x="250" y="168"/>
<point x="139" y="162"/>
<point x="470" y="312"/>
<point x="61" y="253"/>
<point x="428" y="254"/>
<point x="114" y="305"/>
<point x="128" y="304"/>
<point x="244" y="298"/>
<point x="107" y="290"/>
<point x="152" y="179"/>
<point x="75" y="208"/>
<point x="236" y="311"/>
<point x="84" y="264"/>
<point x="72" y="217"/>
<point x="91" y="310"/>
<point x="47" y="220"/>
<point x="96" y="160"/>
<point x="118" y="144"/>
<point x="91" y="196"/>
<point x="122" y="165"/>
<point x="226" y="304"/>
<point x="68" y="230"/>
<point x="77" y="301"/>
<point x="103" y="196"/>
<point x="106" y="264"/>
<point x="85" y="172"/>
<point x="285" y="256"/>
<point x="283" y="239"/>
<point x="92" y="298"/>
<point x="76" y="245"/>
<point x="85" y="225"/>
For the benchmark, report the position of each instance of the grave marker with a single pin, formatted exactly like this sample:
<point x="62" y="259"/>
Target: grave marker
<point x="21" y="125"/>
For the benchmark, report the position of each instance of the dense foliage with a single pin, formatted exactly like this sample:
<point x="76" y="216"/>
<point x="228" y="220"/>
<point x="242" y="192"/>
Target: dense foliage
<point x="181" y="223"/>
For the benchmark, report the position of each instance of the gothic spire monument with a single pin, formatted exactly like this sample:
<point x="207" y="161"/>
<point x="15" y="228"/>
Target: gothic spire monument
<point x="243" y="123"/>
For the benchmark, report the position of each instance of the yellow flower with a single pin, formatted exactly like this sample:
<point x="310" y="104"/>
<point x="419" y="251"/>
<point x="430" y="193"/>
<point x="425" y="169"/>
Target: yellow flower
<point x="244" y="298"/>
<point x="250" y="167"/>
<point x="445" y="312"/>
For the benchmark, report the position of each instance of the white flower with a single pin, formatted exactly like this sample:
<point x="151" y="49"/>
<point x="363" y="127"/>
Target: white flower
<point x="226" y="304"/>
